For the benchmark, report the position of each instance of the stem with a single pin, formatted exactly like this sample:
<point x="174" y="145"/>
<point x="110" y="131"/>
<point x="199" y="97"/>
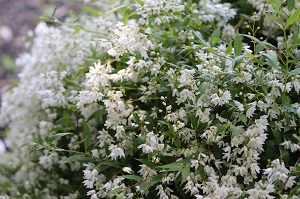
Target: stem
<point x="287" y="179"/>
<point x="240" y="23"/>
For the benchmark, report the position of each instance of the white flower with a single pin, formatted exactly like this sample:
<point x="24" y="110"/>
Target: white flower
<point x="221" y="97"/>
<point x="146" y="148"/>
<point x="48" y="161"/>
<point x="239" y="105"/>
<point x="116" y="152"/>
<point x="93" y="194"/>
<point x="90" y="178"/>
<point x="298" y="112"/>
<point x="228" y="32"/>
<point x="251" y="109"/>
<point x="152" y="143"/>
<point x="2" y="147"/>
<point x="296" y="83"/>
<point x="120" y="132"/>
<point x="127" y="169"/>
<point x="128" y="38"/>
<point x="278" y="171"/>
<point x="287" y="144"/>
<point x="195" y="164"/>
<point x="98" y="76"/>
<point x="146" y="171"/>
<point x="262" y="123"/>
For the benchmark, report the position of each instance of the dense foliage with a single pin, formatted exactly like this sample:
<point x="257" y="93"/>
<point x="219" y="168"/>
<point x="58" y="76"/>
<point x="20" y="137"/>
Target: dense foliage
<point x="158" y="98"/>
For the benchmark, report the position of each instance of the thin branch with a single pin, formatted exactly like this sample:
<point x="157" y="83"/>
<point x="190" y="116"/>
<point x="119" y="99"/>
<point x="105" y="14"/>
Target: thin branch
<point x="287" y="179"/>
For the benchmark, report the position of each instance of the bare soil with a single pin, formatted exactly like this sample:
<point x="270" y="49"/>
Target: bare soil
<point x="17" y="17"/>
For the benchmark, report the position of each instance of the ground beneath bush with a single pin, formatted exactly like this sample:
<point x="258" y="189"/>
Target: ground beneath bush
<point x="17" y="17"/>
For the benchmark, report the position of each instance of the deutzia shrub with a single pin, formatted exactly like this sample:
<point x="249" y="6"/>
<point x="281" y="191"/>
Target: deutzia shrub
<point x="158" y="99"/>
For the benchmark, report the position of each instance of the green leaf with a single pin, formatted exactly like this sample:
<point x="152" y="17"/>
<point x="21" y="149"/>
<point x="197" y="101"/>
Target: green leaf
<point x="29" y="144"/>
<point x="202" y="88"/>
<point x="293" y="18"/>
<point x="193" y="119"/>
<point x="56" y="136"/>
<point x="138" y="141"/>
<point x="98" y="114"/>
<point x="112" y="164"/>
<point x="144" y="185"/>
<point x="169" y="134"/>
<point x="121" y="195"/>
<point x="156" y="179"/>
<point x="237" y="61"/>
<point x="215" y="37"/>
<point x="184" y="174"/>
<point x="277" y="136"/>
<point x="40" y="140"/>
<point x="202" y="172"/>
<point x="82" y="70"/>
<point x="235" y="130"/>
<point x="66" y="119"/>
<point x="200" y="39"/>
<point x="136" y="118"/>
<point x="294" y="41"/>
<point x="275" y="3"/>
<point x="187" y="50"/>
<point x="169" y="42"/>
<point x="56" y="128"/>
<point x="115" y="190"/>
<point x="262" y="84"/>
<point x="290" y="4"/>
<point x="177" y="142"/>
<point x="294" y="191"/>
<point x="150" y="164"/>
<point x="94" y="52"/>
<point x="229" y="48"/>
<point x="216" y="33"/>
<point x="295" y="71"/>
<point x="116" y="9"/>
<point x="264" y="44"/>
<point x="140" y="2"/>
<point x="284" y="154"/>
<point x="214" y="41"/>
<point x="150" y="124"/>
<point x="170" y="127"/>
<point x="272" y="59"/>
<point x="38" y="147"/>
<point x="238" y="45"/>
<point x="223" y="63"/>
<point x="126" y="16"/>
<point x="244" y="119"/>
<point x="86" y="136"/>
<point x="91" y="10"/>
<point x="78" y="158"/>
<point x="175" y="166"/>
<point x="8" y="63"/>
<point x="65" y="187"/>
<point x="132" y="177"/>
<point x="221" y="129"/>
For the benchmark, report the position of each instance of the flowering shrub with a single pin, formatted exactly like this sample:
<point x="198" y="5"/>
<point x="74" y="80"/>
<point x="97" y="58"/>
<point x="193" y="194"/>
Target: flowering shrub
<point x="169" y="99"/>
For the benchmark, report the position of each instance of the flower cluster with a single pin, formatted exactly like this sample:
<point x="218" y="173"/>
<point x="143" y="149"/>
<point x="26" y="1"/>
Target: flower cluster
<point x="175" y="101"/>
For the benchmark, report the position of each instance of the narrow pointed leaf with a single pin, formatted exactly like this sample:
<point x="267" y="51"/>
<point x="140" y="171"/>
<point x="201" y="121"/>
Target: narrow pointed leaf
<point x="56" y="136"/>
<point x="295" y="71"/>
<point x="235" y="130"/>
<point x="293" y="18"/>
<point x="132" y="177"/>
<point x="229" y="48"/>
<point x="238" y="45"/>
<point x="290" y="4"/>
<point x="184" y="174"/>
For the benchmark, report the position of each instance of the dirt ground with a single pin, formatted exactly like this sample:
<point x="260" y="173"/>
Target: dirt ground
<point x="17" y="17"/>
